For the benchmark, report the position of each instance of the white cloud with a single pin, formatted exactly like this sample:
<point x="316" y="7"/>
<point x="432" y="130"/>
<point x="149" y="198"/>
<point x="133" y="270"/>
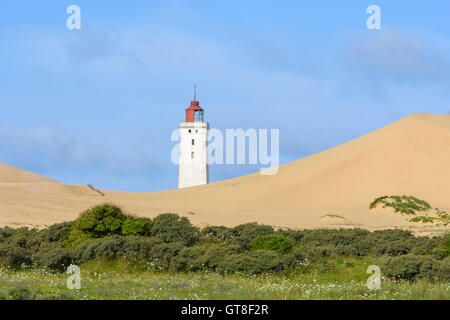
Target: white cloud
<point x="51" y="150"/>
<point x="395" y="54"/>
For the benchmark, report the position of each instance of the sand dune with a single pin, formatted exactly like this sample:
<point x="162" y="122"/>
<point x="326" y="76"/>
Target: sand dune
<point x="10" y="174"/>
<point x="329" y="189"/>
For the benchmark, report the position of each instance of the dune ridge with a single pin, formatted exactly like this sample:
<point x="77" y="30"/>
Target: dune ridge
<point x="10" y="174"/>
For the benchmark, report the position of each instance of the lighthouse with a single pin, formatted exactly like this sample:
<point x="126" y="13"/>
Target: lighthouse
<point x="193" y="165"/>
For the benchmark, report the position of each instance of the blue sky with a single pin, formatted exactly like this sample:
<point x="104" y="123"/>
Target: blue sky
<point x="98" y="105"/>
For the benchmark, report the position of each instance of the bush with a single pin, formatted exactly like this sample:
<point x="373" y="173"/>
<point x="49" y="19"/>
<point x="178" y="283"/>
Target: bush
<point x="294" y="235"/>
<point x="213" y="232"/>
<point x="109" y="247"/>
<point x="243" y="234"/>
<point x="162" y="254"/>
<point x="115" y="246"/>
<point x="76" y="237"/>
<point x="446" y="245"/>
<point x="399" y="242"/>
<point x="254" y="262"/>
<point x="188" y="259"/>
<point x="402" y="204"/>
<point x="101" y="221"/>
<point x="395" y="248"/>
<point x="443" y="270"/>
<point x="139" y="247"/>
<point x="137" y="226"/>
<point x="214" y="256"/>
<point x="92" y="249"/>
<point x="390" y="235"/>
<point x="360" y="248"/>
<point x="56" y="232"/>
<point x="14" y="256"/>
<point x="7" y="233"/>
<point x="104" y="221"/>
<point x="171" y="228"/>
<point x="87" y="250"/>
<point x="313" y="253"/>
<point x="271" y="242"/>
<point x="19" y="240"/>
<point x="53" y="256"/>
<point x="411" y="267"/>
<point x="335" y="237"/>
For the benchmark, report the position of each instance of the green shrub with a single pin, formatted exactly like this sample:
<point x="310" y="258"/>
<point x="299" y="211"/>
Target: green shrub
<point x="402" y="204"/>
<point x="101" y="221"/>
<point x="443" y="270"/>
<point x="294" y="235"/>
<point x="87" y="250"/>
<point x="360" y="248"/>
<point x="254" y="262"/>
<point x="411" y="267"/>
<point x="390" y="235"/>
<point x="439" y="217"/>
<point x="14" y="256"/>
<point x="335" y="237"/>
<point x="19" y="240"/>
<point x="214" y="256"/>
<point x="445" y="244"/>
<point x="56" y="232"/>
<point x="7" y="233"/>
<point x="137" y="226"/>
<point x="139" y="247"/>
<point x="395" y="248"/>
<point x="272" y="242"/>
<point x="243" y="234"/>
<point x="76" y="237"/>
<point x="171" y="228"/>
<point x="313" y="253"/>
<point x="115" y="246"/>
<point x="162" y="254"/>
<point x="213" y="232"/>
<point x="188" y="259"/>
<point x="109" y="247"/>
<point x="399" y="242"/>
<point x="53" y="256"/>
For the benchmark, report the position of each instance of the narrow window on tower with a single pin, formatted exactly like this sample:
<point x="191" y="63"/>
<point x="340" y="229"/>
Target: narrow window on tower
<point x="192" y="141"/>
<point x="192" y="155"/>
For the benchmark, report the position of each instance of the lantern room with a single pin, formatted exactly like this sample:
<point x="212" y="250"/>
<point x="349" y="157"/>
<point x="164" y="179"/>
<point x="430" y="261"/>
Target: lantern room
<point x="194" y="113"/>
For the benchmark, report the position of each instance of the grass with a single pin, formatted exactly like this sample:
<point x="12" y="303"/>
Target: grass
<point x="403" y="204"/>
<point x="119" y="279"/>
<point x="409" y="205"/>
<point x="333" y="216"/>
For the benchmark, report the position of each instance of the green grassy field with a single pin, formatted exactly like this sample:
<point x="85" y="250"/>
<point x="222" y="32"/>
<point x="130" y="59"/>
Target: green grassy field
<point x="120" y="279"/>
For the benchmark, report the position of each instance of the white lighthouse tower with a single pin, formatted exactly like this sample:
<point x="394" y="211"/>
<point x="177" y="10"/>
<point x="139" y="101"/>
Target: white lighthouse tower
<point x="193" y="170"/>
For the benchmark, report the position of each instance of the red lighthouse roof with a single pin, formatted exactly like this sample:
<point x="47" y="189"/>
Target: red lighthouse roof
<point x="194" y="112"/>
<point x="195" y="105"/>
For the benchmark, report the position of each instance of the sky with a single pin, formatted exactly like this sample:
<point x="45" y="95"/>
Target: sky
<point x="98" y="105"/>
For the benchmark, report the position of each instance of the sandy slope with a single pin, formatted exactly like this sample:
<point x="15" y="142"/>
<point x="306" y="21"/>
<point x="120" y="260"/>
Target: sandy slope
<point x="10" y="174"/>
<point x="410" y="156"/>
